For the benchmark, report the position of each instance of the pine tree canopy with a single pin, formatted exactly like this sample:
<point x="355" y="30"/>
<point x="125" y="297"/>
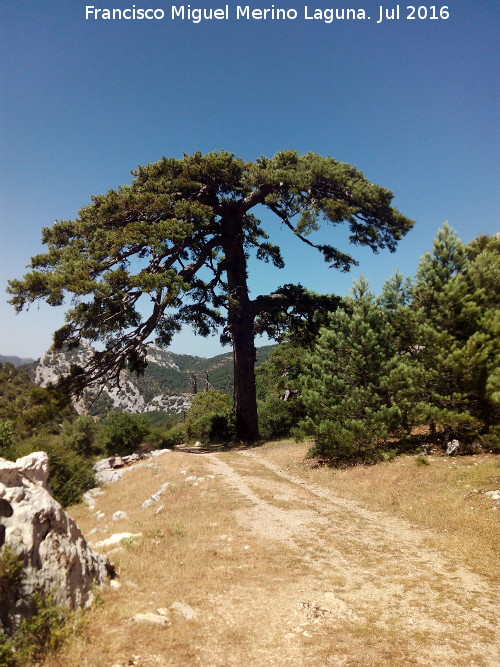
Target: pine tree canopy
<point x="179" y="237"/>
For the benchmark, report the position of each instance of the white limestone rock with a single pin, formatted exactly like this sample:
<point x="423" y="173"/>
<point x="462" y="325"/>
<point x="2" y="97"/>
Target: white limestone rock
<point x="151" y="618"/>
<point x="116" y="539"/>
<point x="57" y="558"/>
<point x="109" y="476"/>
<point x="90" y="496"/>
<point x="156" y="496"/>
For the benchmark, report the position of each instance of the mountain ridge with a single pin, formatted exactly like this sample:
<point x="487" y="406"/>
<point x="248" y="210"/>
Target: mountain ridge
<point x="167" y="385"/>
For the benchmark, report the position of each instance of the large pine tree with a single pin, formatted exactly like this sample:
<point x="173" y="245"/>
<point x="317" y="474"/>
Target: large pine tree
<point x="176" y="242"/>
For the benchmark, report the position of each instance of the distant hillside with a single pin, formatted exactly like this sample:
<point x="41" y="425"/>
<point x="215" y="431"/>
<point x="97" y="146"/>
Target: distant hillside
<point x="15" y="361"/>
<point x="166" y="386"/>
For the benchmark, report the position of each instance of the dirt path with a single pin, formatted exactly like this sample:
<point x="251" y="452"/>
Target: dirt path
<point x="359" y="579"/>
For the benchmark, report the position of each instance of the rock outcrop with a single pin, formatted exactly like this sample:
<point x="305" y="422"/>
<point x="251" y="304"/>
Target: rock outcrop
<point x="55" y="555"/>
<point x="52" y="366"/>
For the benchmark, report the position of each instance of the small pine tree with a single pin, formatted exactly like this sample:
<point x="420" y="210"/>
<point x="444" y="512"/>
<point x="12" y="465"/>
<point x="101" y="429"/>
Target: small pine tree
<point x="456" y="304"/>
<point x="348" y="410"/>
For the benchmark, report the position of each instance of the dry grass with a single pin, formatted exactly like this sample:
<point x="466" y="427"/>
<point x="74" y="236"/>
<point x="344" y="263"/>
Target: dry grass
<point x="193" y="552"/>
<point x="439" y="496"/>
<point x="254" y="596"/>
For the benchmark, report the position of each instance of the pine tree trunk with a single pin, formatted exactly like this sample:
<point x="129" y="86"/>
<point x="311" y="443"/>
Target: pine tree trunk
<point x="245" y="399"/>
<point x="240" y="324"/>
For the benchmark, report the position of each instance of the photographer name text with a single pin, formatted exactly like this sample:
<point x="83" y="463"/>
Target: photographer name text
<point x="190" y="13"/>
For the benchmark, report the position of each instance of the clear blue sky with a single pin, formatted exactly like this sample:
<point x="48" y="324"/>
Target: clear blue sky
<point x="82" y="102"/>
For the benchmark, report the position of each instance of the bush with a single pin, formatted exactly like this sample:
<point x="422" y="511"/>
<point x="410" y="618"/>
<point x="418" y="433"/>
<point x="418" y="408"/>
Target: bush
<point x="491" y="440"/>
<point x="11" y="577"/>
<point x="276" y="418"/>
<point x="6" y="436"/>
<point x="210" y="417"/>
<point x="161" y="438"/>
<point x="350" y="444"/>
<point x="41" y="633"/>
<point x="45" y="625"/>
<point x="125" y="432"/>
<point x="70" y="474"/>
<point x="80" y="435"/>
<point x="422" y="460"/>
<point x="174" y="436"/>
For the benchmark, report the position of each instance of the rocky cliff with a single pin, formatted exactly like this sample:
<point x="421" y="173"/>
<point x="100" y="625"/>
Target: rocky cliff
<point x="131" y="395"/>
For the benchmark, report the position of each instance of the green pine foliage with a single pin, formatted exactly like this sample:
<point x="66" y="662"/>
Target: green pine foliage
<point x="422" y="358"/>
<point x="348" y="411"/>
<point x="177" y="241"/>
<point x="456" y="300"/>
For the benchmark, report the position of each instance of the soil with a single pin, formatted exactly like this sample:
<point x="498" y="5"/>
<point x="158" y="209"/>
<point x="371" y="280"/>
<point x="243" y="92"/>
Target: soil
<point x="358" y="572"/>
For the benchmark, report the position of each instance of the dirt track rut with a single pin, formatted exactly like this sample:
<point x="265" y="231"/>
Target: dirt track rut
<point x="363" y="572"/>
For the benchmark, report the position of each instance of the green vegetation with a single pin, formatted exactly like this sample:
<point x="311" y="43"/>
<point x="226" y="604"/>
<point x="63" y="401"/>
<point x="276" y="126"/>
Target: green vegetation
<point x="419" y="362"/>
<point x="45" y="625"/>
<point x="369" y="378"/>
<point x="35" y="419"/>
<point x="210" y="418"/>
<point x="124" y="432"/>
<point x="421" y="460"/>
<point x="280" y="405"/>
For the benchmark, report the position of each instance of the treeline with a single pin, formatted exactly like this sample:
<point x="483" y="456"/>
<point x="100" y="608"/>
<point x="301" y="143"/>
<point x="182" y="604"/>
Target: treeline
<point x="417" y="364"/>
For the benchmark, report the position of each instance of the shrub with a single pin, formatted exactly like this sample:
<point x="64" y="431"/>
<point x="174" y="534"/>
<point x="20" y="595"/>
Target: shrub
<point x="125" y="432"/>
<point x="174" y="436"/>
<point x="161" y="438"/>
<point x="210" y="417"/>
<point x="6" y="436"/>
<point x="491" y="440"/>
<point x="11" y="577"/>
<point x="42" y="632"/>
<point x="422" y="460"/>
<point x="70" y="474"/>
<point x="276" y="418"/>
<point x="45" y="625"/>
<point x="354" y="443"/>
<point x="81" y="435"/>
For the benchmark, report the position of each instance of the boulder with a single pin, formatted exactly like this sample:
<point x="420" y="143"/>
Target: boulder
<point x="113" y="468"/>
<point x="109" y="476"/>
<point x="56" y="556"/>
<point x="452" y="448"/>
